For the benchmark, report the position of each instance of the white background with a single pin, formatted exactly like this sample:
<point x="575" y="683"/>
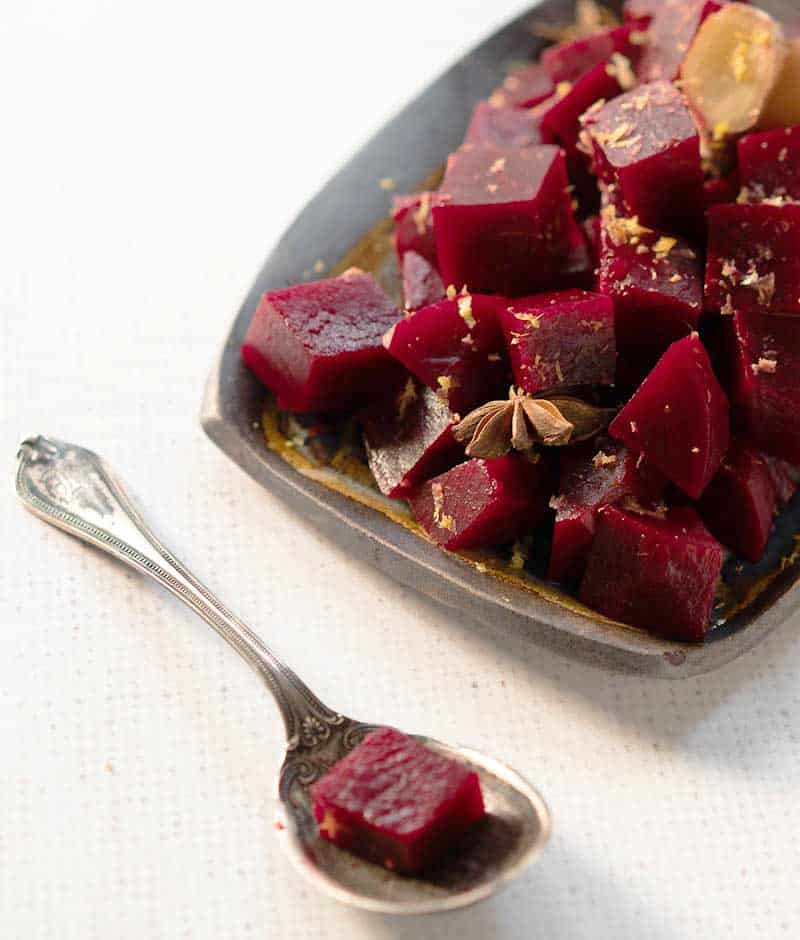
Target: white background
<point x="152" y="152"/>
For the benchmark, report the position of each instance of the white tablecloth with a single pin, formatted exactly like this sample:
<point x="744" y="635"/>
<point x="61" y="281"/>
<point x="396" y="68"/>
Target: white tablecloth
<point x="152" y="152"/>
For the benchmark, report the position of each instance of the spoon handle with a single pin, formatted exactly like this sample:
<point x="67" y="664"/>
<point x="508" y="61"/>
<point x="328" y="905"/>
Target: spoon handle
<point x="74" y="490"/>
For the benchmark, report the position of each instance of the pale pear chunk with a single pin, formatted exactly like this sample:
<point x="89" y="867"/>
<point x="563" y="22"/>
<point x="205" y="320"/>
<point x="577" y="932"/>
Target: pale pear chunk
<point x="732" y="67"/>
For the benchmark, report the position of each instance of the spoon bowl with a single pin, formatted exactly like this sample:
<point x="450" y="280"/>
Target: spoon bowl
<point x="497" y="848"/>
<point x="73" y="489"/>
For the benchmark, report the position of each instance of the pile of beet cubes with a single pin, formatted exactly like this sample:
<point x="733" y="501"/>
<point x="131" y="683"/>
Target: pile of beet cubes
<point x="620" y="225"/>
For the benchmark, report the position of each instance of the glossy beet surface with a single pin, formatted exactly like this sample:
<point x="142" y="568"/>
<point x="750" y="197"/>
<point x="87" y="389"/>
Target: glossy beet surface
<point x="503" y="127"/>
<point x="561" y="339"/>
<point x="679" y="418"/>
<point x="456" y="348"/>
<point x="655" y="571"/>
<point x="739" y="503"/>
<point x="765" y="382"/>
<point x="645" y="135"/>
<point x="656" y="284"/>
<point x="568" y="61"/>
<point x="421" y="282"/>
<point x="413" y="225"/>
<point x="592" y="476"/>
<point x="524" y="87"/>
<point x="483" y="502"/>
<point x="753" y="259"/>
<point x="673" y="25"/>
<point x="505" y="228"/>
<point x="397" y="803"/>
<point x="769" y="164"/>
<point x="561" y="114"/>
<point x="318" y="345"/>
<point x="409" y="439"/>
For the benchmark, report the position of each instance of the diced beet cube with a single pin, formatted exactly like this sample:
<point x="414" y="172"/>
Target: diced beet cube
<point x="765" y="382"/>
<point x="753" y="259"/>
<point x="721" y="190"/>
<point x="769" y="164"/>
<point x="413" y="225"/>
<point x="670" y="33"/>
<point x="560" y="339"/>
<point x="410" y="439"/>
<point x="655" y="571"/>
<point x="679" y="417"/>
<point x="506" y="228"/>
<point x="646" y="143"/>
<point x="318" y="345"/>
<point x="396" y="802"/>
<point x="456" y="348"/>
<point x="593" y="476"/>
<point x="503" y="127"/>
<point x="561" y="114"/>
<point x="559" y="117"/>
<point x="739" y="503"/>
<point x="524" y="87"/>
<point x="656" y="283"/>
<point x="482" y="503"/>
<point x="783" y="476"/>
<point x="421" y="282"/>
<point x="567" y="61"/>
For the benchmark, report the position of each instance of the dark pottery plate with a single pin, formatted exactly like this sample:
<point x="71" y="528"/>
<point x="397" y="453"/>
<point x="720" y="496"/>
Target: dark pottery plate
<point x="317" y="468"/>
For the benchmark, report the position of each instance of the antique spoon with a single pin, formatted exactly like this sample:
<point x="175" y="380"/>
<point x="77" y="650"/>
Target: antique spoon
<point x="73" y="489"/>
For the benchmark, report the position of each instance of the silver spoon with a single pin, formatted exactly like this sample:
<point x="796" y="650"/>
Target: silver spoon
<point x="73" y="489"/>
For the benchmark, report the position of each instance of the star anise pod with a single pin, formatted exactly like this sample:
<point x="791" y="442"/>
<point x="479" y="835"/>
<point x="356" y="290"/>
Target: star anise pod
<point x="522" y="421"/>
<point x="590" y="18"/>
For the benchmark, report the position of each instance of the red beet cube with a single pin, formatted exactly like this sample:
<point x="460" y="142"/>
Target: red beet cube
<point x="482" y="503"/>
<point x="593" y="476"/>
<point x="413" y="225"/>
<point x="503" y="127"/>
<point x="561" y="114"/>
<point x="769" y="164"/>
<point x="567" y="61"/>
<point x="318" y="345"/>
<point x="421" y="282"/>
<point x="656" y="571"/>
<point x="410" y="439"/>
<point x="765" y="382"/>
<point x="456" y="348"/>
<point x="656" y="284"/>
<point x="524" y="87"/>
<point x="679" y="418"/>
<point x="753" y="259"/>
<point x="644" y="136"/>
<point x="739" y="503"/>
<point x="672" y="28"/>
<point x="396" y="802"/>
<point x="783" y="477"/>
<point x="505" y="229"/>
<point x="561" y="339"/>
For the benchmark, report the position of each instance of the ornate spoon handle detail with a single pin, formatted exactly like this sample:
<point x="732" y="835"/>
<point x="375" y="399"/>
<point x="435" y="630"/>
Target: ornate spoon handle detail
<point x="73" y="489"/>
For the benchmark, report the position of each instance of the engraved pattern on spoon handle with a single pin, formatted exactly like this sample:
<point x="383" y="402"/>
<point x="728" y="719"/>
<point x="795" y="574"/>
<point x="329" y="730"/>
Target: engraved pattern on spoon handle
<point x="73" y="489"/>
